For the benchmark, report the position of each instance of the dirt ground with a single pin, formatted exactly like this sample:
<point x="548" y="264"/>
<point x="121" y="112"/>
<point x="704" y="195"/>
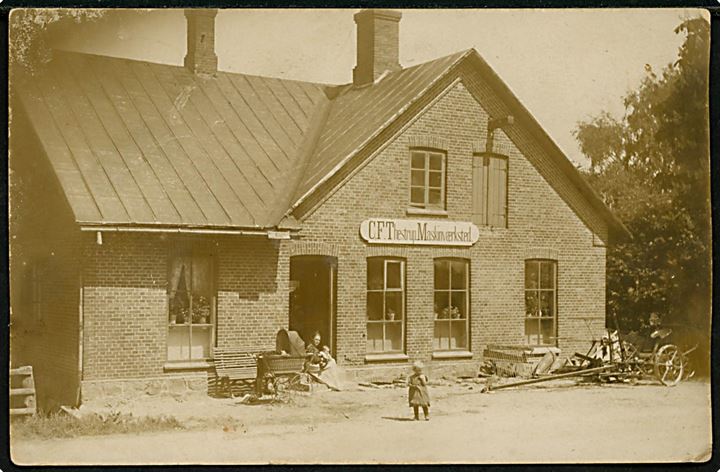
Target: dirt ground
<point x="561" y="422"/>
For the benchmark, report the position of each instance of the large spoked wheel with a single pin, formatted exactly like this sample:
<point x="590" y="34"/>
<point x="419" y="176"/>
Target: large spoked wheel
<point x="669" y="365"/>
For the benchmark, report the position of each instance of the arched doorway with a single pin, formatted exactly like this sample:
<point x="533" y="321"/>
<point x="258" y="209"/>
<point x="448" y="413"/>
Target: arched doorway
<point x="313" y="297"/>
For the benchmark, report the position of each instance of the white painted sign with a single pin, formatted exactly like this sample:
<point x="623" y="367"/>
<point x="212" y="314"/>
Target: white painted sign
<point x="419" y="232"/>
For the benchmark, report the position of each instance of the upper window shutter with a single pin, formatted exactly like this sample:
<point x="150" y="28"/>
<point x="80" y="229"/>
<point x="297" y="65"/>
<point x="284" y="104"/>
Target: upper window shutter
<point x="497" y="205"/>
<point x="479" y="190"/>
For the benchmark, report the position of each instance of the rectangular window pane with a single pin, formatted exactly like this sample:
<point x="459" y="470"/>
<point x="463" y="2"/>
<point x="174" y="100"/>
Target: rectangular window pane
<point x="547" y="274"/>
<point x="393" y="336"/>
<point x="178" y="343"/>
<point x="393" y="306"/>
<point x="547" y="331"/>
<point x="375" y="306"/>
<point x="442" y="305"/>
<point x="394" y="278"/>
<point x="417" y="178"/>
<point x="374" y="337"/>
<point x="441" y="338"/>
<point x="436" y="161"/>
<point x="442" y="274"/>
<point x="458" y="335"/>
<point x="435" y="179"/>
<point x="418" y="160"/>
<point x="201" y="342"/>
<point x="547" y="303"/>
<point x="417" y="196"/>
<point x="532" y="269"/>
<point x="532" y="330"/>
<point x="459" y="274"/>
<point x="434" y="196"/>
<point x="458" y="305"/>
<point x="531" y="303"/>
<point x="375" y="278"/>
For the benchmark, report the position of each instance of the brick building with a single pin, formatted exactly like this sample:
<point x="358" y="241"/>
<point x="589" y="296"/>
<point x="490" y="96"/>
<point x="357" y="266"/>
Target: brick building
<point x="416" y="213"/>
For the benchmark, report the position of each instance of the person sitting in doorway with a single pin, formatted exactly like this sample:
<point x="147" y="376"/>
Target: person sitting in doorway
<point x="314" y="354"/>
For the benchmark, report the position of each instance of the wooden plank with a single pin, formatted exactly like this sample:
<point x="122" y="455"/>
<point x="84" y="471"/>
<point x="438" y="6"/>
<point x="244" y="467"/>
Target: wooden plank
<point x="22" y="391"/>
<point x="116" y="169"/>
<point x="130" y="114"/>
<point x="24" y="370"/>
<point x="118" y="137"/>
<point x="22" y="411"/>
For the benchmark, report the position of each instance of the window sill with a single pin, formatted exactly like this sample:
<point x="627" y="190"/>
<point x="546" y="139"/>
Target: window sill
<point x="385" y="357"/>
<point x="189" y="365"/>
<point x="452" y="355"/>
<point x="536" y="350"/>
<point x="426" y="212"/>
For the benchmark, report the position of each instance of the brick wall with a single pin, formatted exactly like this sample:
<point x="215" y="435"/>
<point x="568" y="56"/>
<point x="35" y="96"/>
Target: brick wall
<point x="125" y="299"/>
<point x="538" y="219"/>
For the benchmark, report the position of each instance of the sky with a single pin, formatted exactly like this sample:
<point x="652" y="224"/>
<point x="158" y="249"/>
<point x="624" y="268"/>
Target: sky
<point x="565" y="66"/>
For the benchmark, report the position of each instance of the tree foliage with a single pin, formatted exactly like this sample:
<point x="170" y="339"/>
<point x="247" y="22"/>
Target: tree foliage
<point x="31" y="31"/>
<point x="652" y="169"/>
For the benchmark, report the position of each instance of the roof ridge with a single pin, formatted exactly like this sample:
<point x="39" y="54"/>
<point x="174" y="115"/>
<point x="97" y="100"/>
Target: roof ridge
<point x="177" y="66"/>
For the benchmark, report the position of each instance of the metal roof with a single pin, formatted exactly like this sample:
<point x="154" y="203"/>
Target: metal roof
<point x="148" y="144"/>
<point x="141" y="144"/>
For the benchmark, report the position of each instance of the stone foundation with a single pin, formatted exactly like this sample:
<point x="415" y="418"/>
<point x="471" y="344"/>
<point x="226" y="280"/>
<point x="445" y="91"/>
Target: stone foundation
<point x="434" y="370"/>
<point x="196" y="384"/>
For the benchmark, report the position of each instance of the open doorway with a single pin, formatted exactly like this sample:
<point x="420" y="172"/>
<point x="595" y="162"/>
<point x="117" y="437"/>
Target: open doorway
<point x="312" y="297"/>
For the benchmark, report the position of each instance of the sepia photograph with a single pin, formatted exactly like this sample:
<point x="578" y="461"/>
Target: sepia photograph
<point x="359" y="236"/>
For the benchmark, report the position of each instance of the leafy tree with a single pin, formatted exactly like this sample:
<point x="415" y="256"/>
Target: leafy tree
<point x="652" y="168"/>
<point x="31" y="31"/>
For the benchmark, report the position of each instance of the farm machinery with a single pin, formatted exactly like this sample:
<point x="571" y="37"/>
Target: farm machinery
<point x="612" y="359"/>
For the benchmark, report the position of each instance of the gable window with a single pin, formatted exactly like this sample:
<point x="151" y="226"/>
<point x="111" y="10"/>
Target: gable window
<point x="541" y="301"/>
<point x="191" y="306"/>
<point x="452" y="304"/>
<point x="427" y="179"/>
<point x="385" y="305"/>
<point x="490" y="177"/>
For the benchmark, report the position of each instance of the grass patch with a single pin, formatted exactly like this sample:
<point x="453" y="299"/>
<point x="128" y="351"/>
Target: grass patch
<point x="62" y="425"/>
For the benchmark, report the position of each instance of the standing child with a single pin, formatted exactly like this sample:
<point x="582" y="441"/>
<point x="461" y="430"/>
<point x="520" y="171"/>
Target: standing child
<point x="417" y="391"/>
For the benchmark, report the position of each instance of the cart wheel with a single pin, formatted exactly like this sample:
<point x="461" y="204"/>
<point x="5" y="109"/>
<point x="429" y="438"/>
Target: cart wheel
<point x="669" y="365"/>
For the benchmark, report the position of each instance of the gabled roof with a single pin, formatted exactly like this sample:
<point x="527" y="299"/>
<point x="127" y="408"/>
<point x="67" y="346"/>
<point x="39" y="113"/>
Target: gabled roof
<point x="136" y="143"/>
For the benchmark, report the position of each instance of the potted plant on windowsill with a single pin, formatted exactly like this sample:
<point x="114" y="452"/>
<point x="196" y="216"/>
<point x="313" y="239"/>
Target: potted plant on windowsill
<point x="201" y="310"/>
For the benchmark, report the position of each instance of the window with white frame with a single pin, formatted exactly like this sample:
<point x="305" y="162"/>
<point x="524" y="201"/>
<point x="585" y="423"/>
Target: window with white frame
<point x="427" y="179"/>
<point x="385" y="305"/>
<point x="191" y="306"/>
<point x="541" y="302"/>
<point x="452" y="304"/>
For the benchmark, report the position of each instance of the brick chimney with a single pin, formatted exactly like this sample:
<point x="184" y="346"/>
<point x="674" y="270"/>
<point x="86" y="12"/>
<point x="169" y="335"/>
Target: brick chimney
<point x="200" y="57"/>
<point x="378" y="44"/>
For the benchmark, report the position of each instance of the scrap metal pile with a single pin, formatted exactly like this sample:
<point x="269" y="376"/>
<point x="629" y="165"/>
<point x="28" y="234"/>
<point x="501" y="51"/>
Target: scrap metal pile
<point x="609" y="359"/>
